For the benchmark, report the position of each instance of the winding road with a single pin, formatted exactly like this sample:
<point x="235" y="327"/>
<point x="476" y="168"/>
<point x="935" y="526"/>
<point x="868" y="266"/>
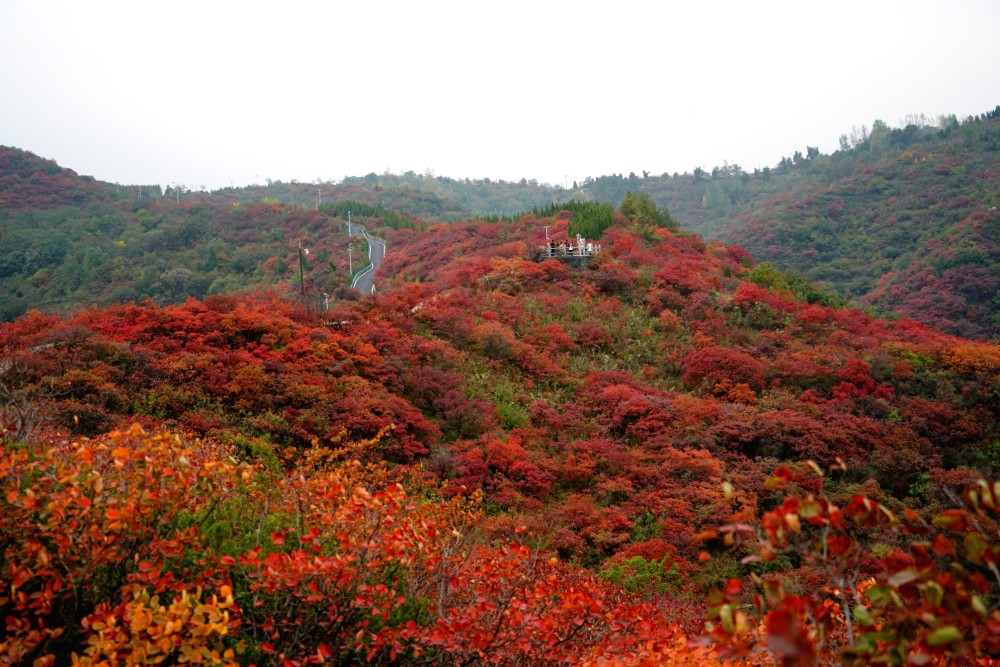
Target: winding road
<point x="364" y="282"/>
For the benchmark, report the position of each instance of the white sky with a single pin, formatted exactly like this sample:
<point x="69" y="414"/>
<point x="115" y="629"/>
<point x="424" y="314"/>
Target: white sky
<point x="210" y="93"/>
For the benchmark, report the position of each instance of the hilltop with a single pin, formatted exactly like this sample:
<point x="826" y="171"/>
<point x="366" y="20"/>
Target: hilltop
<point x="902" y="220"/>
<point x="30" y="182"/>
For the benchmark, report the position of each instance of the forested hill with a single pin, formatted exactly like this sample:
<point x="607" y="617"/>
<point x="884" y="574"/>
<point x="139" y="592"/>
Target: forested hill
<point x="904" y="220"/>
<point x="68" y="241"/>
<point x="899" y="219"/>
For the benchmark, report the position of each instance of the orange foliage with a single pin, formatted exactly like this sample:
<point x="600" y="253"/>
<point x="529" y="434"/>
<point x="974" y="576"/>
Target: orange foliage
<point x="109" y="559"/>
<point x="972" y="357"/>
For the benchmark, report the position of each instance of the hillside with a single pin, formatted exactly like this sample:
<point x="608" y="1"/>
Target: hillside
<point x="68" y="242"/>
<point x="902" y="221"/>
<point x="898" y="219"/>
<point x="133" y="251"/>
<point x="501" y="460"/>
<point x="30" y="182"/>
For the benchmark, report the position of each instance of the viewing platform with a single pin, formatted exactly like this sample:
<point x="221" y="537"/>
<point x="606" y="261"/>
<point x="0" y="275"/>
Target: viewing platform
<point x="576" y="253"/>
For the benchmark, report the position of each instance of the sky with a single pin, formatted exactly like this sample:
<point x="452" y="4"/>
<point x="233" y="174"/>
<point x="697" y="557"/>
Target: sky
<point x="216" y="93"/>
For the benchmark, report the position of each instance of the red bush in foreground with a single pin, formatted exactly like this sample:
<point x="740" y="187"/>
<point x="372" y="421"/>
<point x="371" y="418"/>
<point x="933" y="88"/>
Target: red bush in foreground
<point x="885" y="588"/>
<point x="136" y="548"/>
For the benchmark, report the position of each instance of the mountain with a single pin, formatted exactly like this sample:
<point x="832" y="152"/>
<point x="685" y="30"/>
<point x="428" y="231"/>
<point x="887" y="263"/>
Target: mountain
<point x="499" y="457"/>
<point x="905" y="221"/>
<point x="900" y="220"/>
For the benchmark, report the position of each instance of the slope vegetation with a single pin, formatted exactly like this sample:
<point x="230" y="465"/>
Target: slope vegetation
<point x="898" y="219"/>
<point x="904" y="220"/>
<point x="67" y="241"/>
<point x="502" y="460"/>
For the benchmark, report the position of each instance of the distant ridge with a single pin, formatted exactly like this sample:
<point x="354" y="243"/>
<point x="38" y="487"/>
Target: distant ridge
<point x="28" y="181"/>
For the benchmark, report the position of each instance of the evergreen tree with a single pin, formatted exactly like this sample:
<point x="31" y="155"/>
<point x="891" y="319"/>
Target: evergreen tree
<point x="640" y="208"/>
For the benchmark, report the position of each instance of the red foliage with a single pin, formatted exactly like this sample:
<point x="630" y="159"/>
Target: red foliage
<point x="555" y="393"/>
<point x="748" y="295"/>
<point x="30" y="182"/>
<point x="862" y="609"/>
<point x="709" y="366"/>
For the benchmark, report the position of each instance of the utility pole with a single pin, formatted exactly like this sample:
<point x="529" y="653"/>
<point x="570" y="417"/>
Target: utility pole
<point x="302" y="278"/>
<point x="350" y="262"/>
<point x="348" y="223"/>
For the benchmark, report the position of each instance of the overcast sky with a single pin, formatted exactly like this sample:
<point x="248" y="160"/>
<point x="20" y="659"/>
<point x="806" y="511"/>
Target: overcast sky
<point x="211" y="93"/>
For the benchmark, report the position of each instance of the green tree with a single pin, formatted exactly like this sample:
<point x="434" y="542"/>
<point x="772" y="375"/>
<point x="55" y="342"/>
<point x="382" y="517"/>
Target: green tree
<point x="878" y="137"/>
<point x="715" y="199"/>
<point x="641" y="209"/>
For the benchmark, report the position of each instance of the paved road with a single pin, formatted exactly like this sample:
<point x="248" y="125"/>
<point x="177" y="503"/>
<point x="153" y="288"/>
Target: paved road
<point x="364" y="282"/>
